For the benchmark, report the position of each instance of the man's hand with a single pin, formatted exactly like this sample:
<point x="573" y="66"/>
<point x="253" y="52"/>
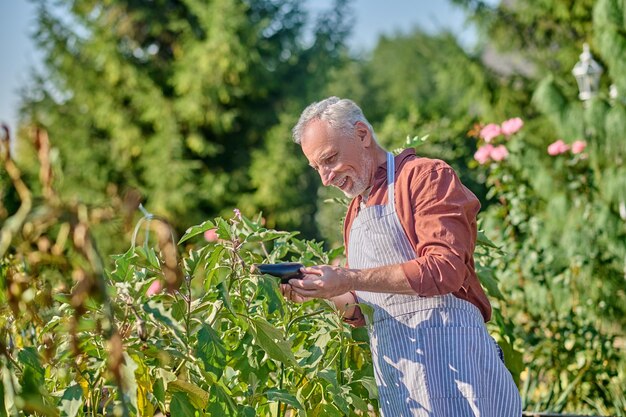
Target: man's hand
<point x="291" y="295"/>
<point x="323" y="281"/>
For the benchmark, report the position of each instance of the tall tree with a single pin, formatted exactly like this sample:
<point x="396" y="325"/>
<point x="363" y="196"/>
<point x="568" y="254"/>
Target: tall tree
<point x="171" y="97"/>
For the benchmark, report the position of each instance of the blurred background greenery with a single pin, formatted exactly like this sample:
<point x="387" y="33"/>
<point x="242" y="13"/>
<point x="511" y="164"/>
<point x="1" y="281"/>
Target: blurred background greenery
<point x="187" y="106"/>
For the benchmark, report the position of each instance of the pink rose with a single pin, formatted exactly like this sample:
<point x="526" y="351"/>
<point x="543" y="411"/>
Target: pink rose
<point x="211" y="235"/>
<point x="154" y="288"/>
<point x="489" y="132"/>
<point x="499" y="153"/>
<point x="558" y="148"/>
<point x="511" y="126"/>
<point x="483" y="154"/>
<point x="578" y="146"/>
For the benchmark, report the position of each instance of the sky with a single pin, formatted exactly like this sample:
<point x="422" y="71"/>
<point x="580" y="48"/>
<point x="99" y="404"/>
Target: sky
<point x="373" y="18"/>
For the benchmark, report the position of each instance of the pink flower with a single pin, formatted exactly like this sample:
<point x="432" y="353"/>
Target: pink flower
<point x="511" y="126"/>
<point x="499" y="153"/>
<point x="154" y="288"/>
<point x="483" y="154"/>
<point x="489" y="132"/>
<point x="237" y="213"/>
<point x="578" y="146"/>
<point x="558" y="148"/>
<point x="211" y="235"/>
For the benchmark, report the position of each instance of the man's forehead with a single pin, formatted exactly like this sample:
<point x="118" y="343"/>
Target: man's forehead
<point x="319" y="132"/>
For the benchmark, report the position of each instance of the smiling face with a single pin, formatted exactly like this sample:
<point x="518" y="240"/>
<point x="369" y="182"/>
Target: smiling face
<point x="345" y="162"/>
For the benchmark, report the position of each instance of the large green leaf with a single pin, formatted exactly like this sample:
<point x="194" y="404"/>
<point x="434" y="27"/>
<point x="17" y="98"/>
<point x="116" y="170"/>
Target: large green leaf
<point x="272" y="341"/>
<point x="268" y="291"/>
<point x="210" y="349"/>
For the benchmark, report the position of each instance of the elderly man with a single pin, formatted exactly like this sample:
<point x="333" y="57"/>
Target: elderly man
<point x="409" y="232"/>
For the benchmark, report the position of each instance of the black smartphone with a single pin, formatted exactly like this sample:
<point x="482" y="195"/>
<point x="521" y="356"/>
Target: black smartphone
<point x="284" y="270"/>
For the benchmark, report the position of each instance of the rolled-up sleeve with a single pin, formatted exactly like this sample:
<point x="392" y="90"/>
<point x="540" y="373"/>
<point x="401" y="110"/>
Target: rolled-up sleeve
<point x="444" y="214"/>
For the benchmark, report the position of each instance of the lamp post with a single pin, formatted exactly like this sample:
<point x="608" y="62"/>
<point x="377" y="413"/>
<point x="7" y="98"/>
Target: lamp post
<point x="587" y="72"/>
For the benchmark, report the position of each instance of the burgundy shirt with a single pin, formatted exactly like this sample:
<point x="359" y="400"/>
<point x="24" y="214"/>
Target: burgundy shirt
<point x="438" y="214"/>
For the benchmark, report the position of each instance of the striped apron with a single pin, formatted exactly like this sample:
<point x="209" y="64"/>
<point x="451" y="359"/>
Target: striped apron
<point x="432" y="356"/>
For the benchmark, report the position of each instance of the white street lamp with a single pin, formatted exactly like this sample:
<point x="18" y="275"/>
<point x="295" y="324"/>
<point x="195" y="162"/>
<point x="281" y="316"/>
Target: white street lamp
<point x="587" y="72"/>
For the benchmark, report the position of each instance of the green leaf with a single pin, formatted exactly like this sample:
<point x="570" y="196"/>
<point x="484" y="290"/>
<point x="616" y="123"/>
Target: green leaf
<point x="246" y="411"/>
<point x="274" y="394"/>
<point x="266" y="235"/>
<point x="3" y="410"/>
<point x="195" y="260"/>
<point x="483" y="240"/>
<point x="180" y="406"/>
<point x="210" y="349"/>
<point x="196" y="230"/>
<point x="158" y="390"/>
<point x="339" y="395"/>
<point x="268" y="291"/>
<point x="123" y="266"/>
<point x="198" y="397"/>
<point x="223" y="229"/>
<point x="225" y="297"/>
<point x="71" y="401"/>
<point x="157" y="312"/>
<point x="358" y="402"/>
<point x="488" y="280"/>
<point x="368" y="312"/>
<point x="149" y="255"/>
<point x="326" y="410"/>
<point x="329" y="375"/>
<point x="513" y="359"/>
<point x="359" y="334"/>
<point x="369" y="383"/>
<point x="128" y="374"/>
<point x="33" y="376"/>
<point x="272" y="341"/>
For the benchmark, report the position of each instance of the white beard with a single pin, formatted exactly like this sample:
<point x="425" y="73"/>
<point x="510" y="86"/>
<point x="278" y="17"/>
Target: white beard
<point x="360" y="184"/>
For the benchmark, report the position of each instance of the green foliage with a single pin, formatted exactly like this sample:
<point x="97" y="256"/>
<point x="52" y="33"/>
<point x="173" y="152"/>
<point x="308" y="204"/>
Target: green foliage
<point x="562" y="270"/>
<point x="194" y="334"/>
<point x="548" y="34"/>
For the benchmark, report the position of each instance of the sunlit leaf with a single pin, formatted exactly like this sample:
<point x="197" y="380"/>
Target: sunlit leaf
<point x="71" y="401"/>
<point x="196" y="230"/>
<point x="197" y="397"/>
<point x="284" y="396"/>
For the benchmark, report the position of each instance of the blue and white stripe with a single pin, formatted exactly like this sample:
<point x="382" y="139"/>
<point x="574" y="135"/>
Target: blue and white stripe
<point x="432" y="356"/>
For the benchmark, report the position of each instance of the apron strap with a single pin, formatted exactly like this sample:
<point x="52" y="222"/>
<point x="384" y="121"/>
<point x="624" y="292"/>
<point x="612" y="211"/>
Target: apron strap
<point x="391" y="177"/>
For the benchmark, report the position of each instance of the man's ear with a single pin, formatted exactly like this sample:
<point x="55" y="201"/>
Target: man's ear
<point x="363" y="133"/>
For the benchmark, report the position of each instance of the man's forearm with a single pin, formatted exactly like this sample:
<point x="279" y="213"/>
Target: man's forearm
<point x="388" y="279"/>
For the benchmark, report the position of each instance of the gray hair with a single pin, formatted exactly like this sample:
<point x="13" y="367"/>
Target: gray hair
<point x="341" y="115"/>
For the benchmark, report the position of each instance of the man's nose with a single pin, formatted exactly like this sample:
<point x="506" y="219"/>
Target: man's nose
<point x="327" y="176"/>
